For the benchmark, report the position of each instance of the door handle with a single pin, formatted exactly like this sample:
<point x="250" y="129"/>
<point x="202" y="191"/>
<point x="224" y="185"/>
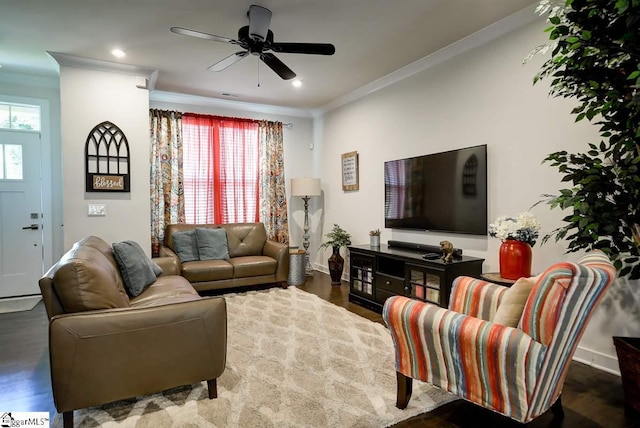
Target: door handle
<point x="31" y="227"/>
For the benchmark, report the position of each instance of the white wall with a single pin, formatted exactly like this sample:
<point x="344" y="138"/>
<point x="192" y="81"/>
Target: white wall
<point x="89" y="97"/>
<point x="482" y="96"/>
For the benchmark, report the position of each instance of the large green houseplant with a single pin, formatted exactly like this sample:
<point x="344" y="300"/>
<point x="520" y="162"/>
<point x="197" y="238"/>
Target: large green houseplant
<point x="595" y="59"/>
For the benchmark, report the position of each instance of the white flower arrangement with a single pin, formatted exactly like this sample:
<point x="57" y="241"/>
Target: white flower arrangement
<point x="523" y="227"/>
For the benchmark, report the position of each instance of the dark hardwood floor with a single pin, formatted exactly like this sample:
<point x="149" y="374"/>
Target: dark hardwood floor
<point x="591" y="398"/>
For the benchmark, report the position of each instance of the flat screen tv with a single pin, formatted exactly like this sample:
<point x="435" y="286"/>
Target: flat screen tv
<point x="438" y="192"/>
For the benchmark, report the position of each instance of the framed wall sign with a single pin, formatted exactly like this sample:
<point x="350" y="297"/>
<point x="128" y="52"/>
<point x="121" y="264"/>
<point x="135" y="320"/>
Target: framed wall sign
<point x="350" y="171"/>
<point x="107" y="159"/>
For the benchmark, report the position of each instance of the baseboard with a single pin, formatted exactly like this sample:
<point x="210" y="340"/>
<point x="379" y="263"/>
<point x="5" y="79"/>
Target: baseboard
<point x="597" y="360"/>
<point x="325" y="269"/>
<point x="19" y="304"/>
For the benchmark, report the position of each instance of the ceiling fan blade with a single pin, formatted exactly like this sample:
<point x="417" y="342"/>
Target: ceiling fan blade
<point x="259" y="20"/>
<point x="228" y="61"/>
<point x="304" y="48"/>
<point x="201" y="35"/>
<point x="278" y="66"/>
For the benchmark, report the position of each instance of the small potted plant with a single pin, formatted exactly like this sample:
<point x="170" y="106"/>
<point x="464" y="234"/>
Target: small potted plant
<point x="338" y="238"/>
<point x="374" y="238"/>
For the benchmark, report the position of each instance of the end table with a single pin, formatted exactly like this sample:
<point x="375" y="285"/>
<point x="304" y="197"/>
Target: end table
<point x="497" y="279"/>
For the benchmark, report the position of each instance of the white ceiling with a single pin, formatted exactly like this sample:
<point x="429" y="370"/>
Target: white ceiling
<point x="372" y="38"/>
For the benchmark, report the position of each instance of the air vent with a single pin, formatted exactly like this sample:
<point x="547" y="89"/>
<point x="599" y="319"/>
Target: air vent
<point x="229" y="94"/>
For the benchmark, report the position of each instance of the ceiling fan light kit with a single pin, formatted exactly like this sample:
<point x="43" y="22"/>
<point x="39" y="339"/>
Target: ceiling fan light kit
<point x="259" y="20"/>
<point x="257" y="39"/>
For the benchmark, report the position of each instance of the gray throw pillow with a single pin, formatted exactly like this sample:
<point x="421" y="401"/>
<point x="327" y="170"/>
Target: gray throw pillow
<point x="186" y="245"/>
<point x="137" y="269"/>
<point x="212" y="244"/>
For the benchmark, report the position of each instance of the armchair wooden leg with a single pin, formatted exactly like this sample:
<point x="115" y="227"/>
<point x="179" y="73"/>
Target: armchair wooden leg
<point x="212" y="385"/>
<point x="557" y="409"/>
<point x="67" y="419"/>
<point x="405" y="385"/>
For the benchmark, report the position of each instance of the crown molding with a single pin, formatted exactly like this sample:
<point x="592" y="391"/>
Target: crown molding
<point x="30" y="79"/>
<point x="149" y="74"/>
<point x="485" y="35"/>
<point x="174" y="97"/>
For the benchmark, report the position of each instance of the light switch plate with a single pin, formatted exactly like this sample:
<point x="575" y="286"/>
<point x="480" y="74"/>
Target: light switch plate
<point x="97" y="210"/>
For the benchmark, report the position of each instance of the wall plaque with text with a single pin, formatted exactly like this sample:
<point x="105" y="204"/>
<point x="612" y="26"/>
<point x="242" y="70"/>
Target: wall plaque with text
<point x="107" y="159"/>
<point x="350" y="171"/>
<point x="108" y="182"/>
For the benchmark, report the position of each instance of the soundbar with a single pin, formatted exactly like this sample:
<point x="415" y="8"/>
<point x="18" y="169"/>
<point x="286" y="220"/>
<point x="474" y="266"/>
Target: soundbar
<point x="457" y="252"/>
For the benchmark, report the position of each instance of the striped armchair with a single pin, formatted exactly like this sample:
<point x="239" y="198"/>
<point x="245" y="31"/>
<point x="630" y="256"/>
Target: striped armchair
<point x="516" y="371"/>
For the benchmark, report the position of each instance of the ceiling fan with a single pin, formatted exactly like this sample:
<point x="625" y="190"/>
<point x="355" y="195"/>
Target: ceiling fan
<point x="256" y="39"/>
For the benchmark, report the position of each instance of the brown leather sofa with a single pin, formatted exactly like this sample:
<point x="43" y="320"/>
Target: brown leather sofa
<point x="253" y="259"/>
<point x="105" y="346"/>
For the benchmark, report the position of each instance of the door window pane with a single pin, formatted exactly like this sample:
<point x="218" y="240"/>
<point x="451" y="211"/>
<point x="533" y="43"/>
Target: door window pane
<point x="5" y="116"/>
<point x="17" y="116"/>
<point x="11" y="160"/>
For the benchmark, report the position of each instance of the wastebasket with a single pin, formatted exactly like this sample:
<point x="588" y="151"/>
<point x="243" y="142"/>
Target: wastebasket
<point x="297" y="259"/>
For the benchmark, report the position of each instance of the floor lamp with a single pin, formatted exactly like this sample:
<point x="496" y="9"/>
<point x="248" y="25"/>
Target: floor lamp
<point x="306" y="188"/>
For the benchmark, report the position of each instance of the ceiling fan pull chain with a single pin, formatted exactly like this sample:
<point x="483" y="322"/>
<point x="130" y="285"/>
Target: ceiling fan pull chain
<point x="258" y="66"/>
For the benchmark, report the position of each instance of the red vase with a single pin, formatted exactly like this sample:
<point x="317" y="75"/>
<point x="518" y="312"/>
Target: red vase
<point x="515" y="259"/>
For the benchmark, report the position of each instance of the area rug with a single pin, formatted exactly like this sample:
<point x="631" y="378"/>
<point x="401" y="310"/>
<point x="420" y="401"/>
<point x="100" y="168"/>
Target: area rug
<point x="293" y="360"/>
<point x="18" y="304"/>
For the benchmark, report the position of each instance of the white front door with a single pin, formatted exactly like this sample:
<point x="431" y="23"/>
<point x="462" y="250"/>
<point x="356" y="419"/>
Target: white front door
<point x="21" y="235"/>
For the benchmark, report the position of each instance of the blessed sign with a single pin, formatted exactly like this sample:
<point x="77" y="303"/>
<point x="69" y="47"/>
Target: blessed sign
<point x="107" y="162"/>
<point x="108" y="182"/>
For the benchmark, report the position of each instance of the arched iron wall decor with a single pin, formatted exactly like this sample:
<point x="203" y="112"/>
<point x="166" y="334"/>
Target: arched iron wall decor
<point x="107" y="159"/>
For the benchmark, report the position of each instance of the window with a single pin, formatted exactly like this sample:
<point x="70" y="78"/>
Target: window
<point x="10" y="162"/>
<point x="19" y="116"/>
<point x="220" y="169"/>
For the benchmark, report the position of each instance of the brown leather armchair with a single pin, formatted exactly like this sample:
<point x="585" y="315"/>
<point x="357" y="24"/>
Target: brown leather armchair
<point x="115" y="347"/>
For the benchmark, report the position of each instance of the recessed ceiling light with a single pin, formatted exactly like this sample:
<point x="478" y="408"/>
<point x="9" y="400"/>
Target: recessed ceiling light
<point x="297" y="83"/>
<point x="118" y="53"/>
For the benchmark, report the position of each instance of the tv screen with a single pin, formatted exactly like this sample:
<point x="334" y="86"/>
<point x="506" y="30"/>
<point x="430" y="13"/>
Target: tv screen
<point x="441" y="192"/>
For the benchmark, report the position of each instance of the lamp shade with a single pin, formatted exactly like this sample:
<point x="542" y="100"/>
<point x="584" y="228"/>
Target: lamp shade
<point x="305" y="186"/>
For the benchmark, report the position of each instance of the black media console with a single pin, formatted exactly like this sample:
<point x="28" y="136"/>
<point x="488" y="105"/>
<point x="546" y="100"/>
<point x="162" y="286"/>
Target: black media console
<point x="378" y="273"/>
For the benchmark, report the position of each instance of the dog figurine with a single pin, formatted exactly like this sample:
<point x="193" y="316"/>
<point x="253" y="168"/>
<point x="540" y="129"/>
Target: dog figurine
<point x="447" y="251"/>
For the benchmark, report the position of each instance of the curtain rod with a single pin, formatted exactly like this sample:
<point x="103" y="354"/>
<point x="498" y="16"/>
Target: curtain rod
<point x="286" y="125"/>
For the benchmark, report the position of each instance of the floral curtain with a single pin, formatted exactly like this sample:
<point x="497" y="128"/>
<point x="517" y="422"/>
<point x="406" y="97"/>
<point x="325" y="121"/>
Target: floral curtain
<point x="167" y="201"/>
<point x="273" y="200"/>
